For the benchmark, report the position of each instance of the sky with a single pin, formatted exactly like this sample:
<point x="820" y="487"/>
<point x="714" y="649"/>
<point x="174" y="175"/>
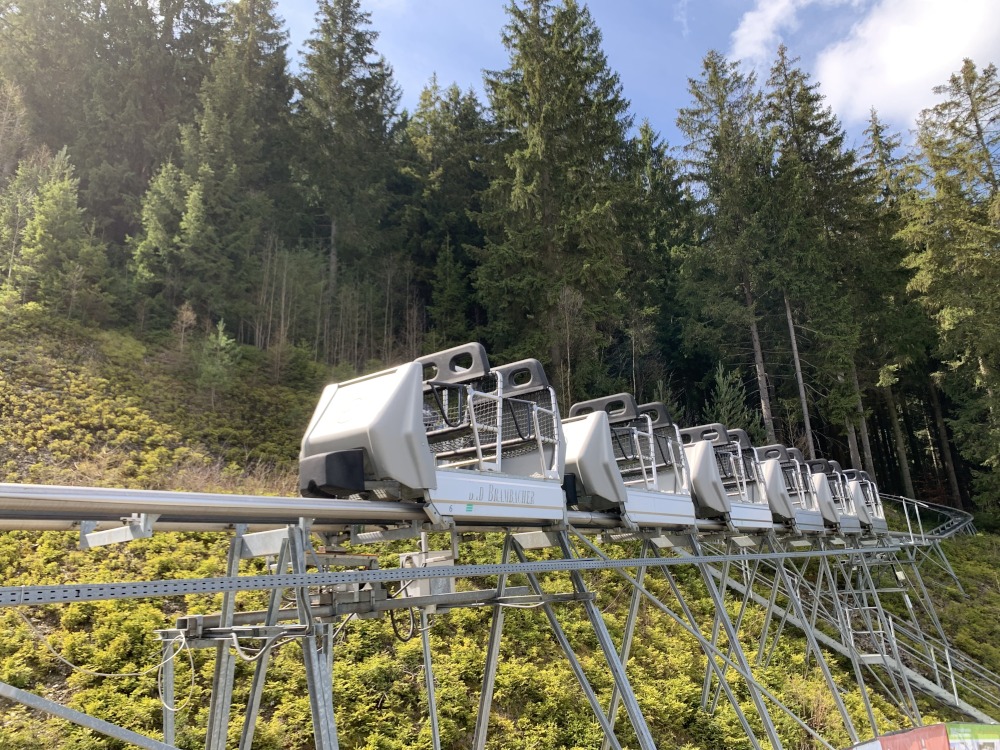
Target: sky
<point x="887" y="54"/>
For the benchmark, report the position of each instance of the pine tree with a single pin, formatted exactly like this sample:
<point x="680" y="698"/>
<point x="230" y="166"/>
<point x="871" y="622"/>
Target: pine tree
<point x="553" y="250"/>
<point x="347" y="113"/>
<point x="953" y="230"/>
<point x="206" y="220"/>
<point x="61" y="264"/>
<point x="818" y="196"/>
<point x="728" y="168"/>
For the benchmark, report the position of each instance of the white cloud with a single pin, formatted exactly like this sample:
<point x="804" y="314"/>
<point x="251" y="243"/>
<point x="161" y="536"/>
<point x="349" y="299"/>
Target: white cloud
<point x="900" y="50"/>
<point x="681" y="16"/>
<point x="757" y="36"/>
<point x="762" y="29"/>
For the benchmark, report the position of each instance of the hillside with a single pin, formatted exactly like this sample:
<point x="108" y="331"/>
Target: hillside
<point x="81" y="406"/>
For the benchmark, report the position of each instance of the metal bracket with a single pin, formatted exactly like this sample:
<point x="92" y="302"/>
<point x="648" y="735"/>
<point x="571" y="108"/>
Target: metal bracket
<point x="135" y="527"/>
<point x="386" y="535"/>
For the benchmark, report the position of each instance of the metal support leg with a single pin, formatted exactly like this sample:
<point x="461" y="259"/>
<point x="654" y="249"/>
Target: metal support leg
<point x="425" y="637"/>
<point x="748" y="590"/>
<point x="740" y="657"/>
<point x="260" y="668"/>
<point x="639" y="725"/>
<point x="574" y="663"/>
<point x="798" y="611"/>
<point x="867" y="578"/>
<point x="492" y="657"/>
<point x="38" y="703"/>
<point x="319" y="682"/>
<point x="706" y="687"/>
<point x="167" y="686"/>
<point x="633" y="616"/>
<point x="225" y="662"/>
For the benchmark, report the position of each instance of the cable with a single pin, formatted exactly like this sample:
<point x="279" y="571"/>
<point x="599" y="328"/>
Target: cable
<point x="84" y="670"/>
<point x="395" y="625"/>
<point x="159" y="679"/>
<point x="158" y="668"/>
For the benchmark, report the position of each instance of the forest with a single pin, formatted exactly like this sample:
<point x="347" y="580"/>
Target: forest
<point x="164" y="173"/>
<point x="198" y="230"/>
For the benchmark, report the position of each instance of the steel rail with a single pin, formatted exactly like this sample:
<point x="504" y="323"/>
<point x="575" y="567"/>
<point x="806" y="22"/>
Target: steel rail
<point x="13" y="596"/>
<point x="37" y="507"/>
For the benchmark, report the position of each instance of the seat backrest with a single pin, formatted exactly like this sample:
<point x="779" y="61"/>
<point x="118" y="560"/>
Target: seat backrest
<point x="777" y="451"/>
<point x="740" y="436"/>
<point x="523" y="377"/>
<point x="621" y="407"/>
<point x="658" y="414"/>
<point x="819" y="466"/>
<point x="714" y="433"/>
<point x="460" y="364"/>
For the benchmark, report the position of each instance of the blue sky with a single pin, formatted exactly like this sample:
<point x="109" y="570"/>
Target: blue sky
<point x="883" y="53"/>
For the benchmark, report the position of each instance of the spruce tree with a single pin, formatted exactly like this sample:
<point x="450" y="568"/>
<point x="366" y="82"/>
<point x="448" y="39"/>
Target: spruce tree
<point x="61" y="264"/>
<point x="953" y="231"/>
<point x="348" y="118"/>
<point x="818" y="194"/>
<point x="112" y="82"/>
<point x="206" y="220"/>
<point x="442" y="156"/>
<point x="728" y="169"/>
<point x="553" y="248"/>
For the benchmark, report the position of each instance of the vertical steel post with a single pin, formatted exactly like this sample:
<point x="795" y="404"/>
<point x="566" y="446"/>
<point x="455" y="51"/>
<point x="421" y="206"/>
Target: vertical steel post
<point x="633" y="616"/>
<point x="635" y="716"/>
<point x="810" y="635"/>
<point x="225" y="663"/>
<point x="319" y="682"/>
<point x="167" y="684"/>
<point x="492" y="656"/>
<point x="260" y="668"/>
<point x="733" y="636"/>
<point x="425" y="637"/>
<point x="574" y="663"/>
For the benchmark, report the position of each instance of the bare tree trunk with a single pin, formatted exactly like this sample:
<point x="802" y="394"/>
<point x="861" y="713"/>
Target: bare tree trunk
<point x="866" y="446"/>
<point x="942" y="430"/>
<point x="897" y="433"/>
<point x="852" y="444"/>
<point x="758" y="360"/>
<point x="798" y="379"/>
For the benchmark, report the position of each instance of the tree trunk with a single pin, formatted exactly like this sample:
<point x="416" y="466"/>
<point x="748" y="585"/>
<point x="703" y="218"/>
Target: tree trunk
<point x="852" y="444"/>
<point x="866" y="446"/>
<point x="331" y="286"/>
<point x="942" y="430"/>
<point x="798" y="378"/>
<point x="758" y="358"/>
<point x="899" y="440"/>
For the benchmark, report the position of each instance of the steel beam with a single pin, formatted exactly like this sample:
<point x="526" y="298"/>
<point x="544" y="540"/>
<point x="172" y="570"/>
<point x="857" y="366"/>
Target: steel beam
<point x="39" y="703"/>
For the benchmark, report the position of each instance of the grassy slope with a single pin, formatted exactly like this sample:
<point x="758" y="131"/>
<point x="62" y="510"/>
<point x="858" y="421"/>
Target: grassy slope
<point x="86" y="407"/>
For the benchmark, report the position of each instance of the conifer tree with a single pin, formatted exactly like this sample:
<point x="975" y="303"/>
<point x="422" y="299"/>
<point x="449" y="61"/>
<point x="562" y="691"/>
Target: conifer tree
<point x="206" y="220"/>
<point x="443" y="153"/>
<point x="953" y="230"/>
<point x="728" y="168"/>
<point x="347" y="113"/>
<point x="112" y="82"/>
<point x="61" y="264"/>
<point x="818" y="193"/>
<point x="553" y="248"/>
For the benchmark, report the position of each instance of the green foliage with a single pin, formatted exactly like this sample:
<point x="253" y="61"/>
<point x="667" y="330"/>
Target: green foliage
<point x="951" y="227"/>
<point x="554" y="253"/>
<point x="728" y="405"/>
